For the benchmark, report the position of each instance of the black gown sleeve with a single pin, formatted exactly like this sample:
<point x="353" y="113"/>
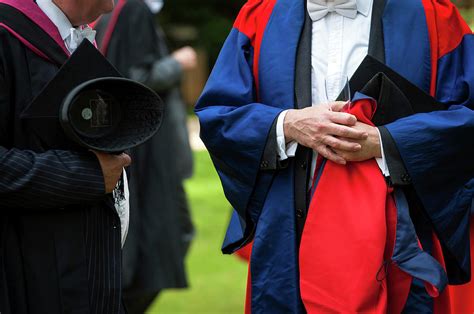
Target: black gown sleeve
<point x="271" y="160"/>
<point x="138" y="52"/>
<point x="398" y="173"/>
<point x="161" y="76"/>
<point x="52" y="179"/>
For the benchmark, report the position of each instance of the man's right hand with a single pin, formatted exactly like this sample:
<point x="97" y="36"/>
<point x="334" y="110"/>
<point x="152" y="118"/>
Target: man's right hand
<point x="321" y="128"/>
<point x="112" y="168"/>
<point x="186" y="56"/>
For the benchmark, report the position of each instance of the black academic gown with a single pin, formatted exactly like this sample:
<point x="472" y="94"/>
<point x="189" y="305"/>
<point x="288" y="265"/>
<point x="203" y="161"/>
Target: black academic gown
<point x="60" y="249"/>
<point x="160" y="224"/>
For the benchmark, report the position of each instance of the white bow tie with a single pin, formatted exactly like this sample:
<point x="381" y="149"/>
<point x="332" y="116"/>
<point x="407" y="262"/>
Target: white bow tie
<point x="79" y="34"/>
<point x="318" y="9"/>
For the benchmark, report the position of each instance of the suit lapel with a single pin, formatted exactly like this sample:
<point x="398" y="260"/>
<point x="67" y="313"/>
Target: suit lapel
<point x="303" y="96"/>
<point x="303" y="66"/>
<point x="376" y="43"/>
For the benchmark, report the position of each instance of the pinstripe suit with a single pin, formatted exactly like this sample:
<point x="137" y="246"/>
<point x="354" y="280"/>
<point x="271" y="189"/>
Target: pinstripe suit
<point x="60" y="249"/>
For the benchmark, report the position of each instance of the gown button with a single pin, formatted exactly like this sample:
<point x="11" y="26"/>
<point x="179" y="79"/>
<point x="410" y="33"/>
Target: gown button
<point x="406" y="178"/>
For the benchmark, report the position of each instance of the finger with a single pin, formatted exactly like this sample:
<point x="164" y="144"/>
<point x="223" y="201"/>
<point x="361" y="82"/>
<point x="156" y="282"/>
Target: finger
<point x="349" y="157"/>
<point x="340" y="144"/>
<point x="337" y="105"/>
<point x="346" y="132"/>
<point x="330" y="155"/>
<point x="342" y="154"/>
<point x="343" y="118"/>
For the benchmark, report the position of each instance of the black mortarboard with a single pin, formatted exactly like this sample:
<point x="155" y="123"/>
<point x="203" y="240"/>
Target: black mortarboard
<point x="89" y="104"/>
<point x="396" y="96"/>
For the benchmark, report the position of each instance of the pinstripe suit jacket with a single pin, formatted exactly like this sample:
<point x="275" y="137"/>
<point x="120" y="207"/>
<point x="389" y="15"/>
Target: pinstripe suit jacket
<point x="60" y="248"/>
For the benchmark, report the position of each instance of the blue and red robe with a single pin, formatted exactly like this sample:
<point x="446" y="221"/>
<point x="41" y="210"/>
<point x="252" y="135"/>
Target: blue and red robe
<point x="253" y="82"/>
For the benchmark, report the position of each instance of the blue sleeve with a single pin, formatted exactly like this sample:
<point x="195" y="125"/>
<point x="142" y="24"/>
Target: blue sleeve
<point x="437" y="149"/>
<point x="234" y="127"/>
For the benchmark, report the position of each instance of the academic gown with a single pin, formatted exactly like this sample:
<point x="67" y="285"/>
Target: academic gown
<point x="259" y="74"/>
<point x="60" y="243"/>
<point x="160" y="224"/>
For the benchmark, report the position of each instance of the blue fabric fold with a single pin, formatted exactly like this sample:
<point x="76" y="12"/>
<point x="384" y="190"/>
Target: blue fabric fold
<point x="408" y="255"/>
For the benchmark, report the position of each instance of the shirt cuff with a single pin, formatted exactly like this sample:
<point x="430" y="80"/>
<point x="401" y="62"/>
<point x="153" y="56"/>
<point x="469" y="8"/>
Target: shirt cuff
<point x="381" y="162"/>
<point x="284" y="151"/>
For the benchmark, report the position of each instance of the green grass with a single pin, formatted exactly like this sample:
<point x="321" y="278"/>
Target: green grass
<point x="217" y="281"/>
<point x="468" y="15"/>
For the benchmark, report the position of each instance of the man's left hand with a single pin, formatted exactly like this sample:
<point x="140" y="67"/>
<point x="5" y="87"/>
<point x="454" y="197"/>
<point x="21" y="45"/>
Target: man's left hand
<point x="370" y="146"/>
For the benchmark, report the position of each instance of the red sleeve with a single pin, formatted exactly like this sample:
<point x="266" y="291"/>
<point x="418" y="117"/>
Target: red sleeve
<point x="252" y="22"/>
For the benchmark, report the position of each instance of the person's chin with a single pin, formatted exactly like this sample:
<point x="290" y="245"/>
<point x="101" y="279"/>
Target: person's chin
<point x="109" y="6"/>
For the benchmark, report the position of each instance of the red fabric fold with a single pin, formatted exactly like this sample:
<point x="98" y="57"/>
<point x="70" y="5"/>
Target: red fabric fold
<point x="349" y="237"/>
<point x="245" y="252"/>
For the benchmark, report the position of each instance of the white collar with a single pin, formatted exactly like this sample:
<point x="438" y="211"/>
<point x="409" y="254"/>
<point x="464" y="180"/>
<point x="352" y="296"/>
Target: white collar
<point x="363" y="6"/>
<point x="56" y="16"/>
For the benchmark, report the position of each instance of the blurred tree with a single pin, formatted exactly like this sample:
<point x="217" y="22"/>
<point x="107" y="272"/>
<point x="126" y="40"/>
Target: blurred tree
<point x="203" y="23"/>
<point x="464" y="3"/>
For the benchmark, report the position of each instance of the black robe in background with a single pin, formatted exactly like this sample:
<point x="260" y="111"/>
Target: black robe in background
<point x="160" y="225"/>
<point x="60" y="243"/>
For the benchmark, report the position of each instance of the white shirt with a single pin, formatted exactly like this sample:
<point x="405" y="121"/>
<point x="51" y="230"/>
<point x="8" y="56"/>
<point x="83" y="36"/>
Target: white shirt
<point x="339" y="45"/>
<point x="66" y="30"/>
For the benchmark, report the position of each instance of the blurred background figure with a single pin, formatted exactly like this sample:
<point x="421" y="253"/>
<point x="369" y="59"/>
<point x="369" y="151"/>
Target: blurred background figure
<point x="160" y="223"/>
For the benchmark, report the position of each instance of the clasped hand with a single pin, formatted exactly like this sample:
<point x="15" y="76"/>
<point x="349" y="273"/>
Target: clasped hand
<point x="337" y="136"/>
